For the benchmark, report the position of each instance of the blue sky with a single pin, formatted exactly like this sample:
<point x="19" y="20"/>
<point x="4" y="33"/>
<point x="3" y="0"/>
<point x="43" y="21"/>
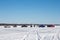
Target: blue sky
<point x="30" y="11"/>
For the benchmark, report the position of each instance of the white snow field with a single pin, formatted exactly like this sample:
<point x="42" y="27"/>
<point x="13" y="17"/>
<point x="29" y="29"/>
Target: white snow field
<point x="29" y="33"/>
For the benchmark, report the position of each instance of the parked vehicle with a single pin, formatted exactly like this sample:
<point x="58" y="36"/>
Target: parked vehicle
<point x="41" y="25"/>
<point x="50" y="25"/>
<point x="24" y="26"/>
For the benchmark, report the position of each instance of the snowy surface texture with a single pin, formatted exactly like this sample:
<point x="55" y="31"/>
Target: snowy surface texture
<point x="29" y="33"/>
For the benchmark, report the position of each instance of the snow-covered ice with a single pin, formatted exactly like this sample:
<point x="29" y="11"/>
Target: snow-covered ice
<point x="29" y="33"/>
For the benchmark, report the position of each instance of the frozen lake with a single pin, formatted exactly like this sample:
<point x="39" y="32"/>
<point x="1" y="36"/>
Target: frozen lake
<point x="29" y="33"/>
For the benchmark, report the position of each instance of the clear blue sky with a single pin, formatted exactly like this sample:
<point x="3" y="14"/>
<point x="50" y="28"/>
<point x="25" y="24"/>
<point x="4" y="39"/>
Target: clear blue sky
<point x="30" y="11"/>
